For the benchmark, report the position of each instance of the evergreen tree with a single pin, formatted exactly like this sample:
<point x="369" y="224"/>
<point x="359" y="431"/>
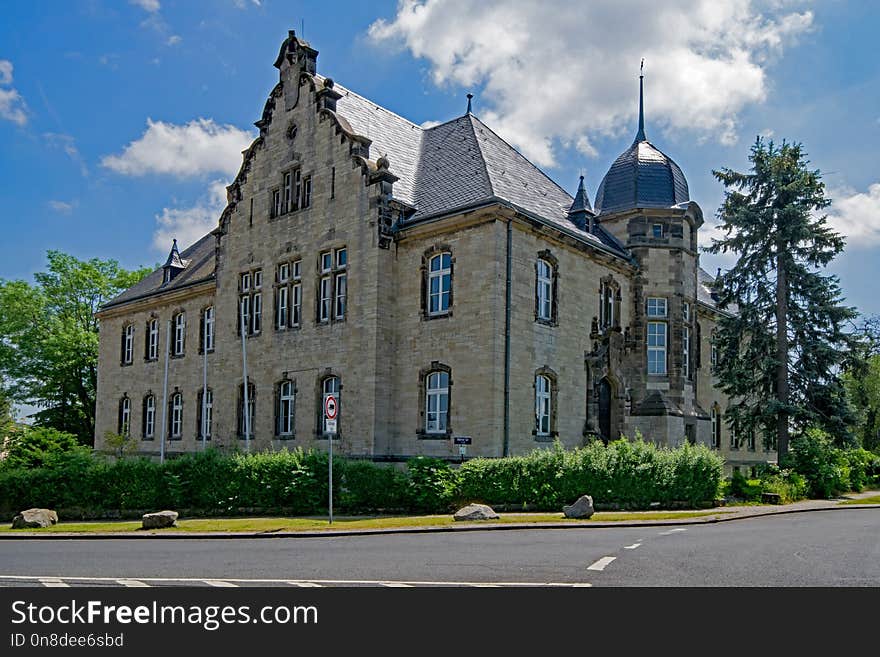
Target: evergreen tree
<point x="783" y="344"/>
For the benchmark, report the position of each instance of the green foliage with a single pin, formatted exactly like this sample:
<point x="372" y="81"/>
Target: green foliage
<point x="433" y="484"/>
<point x="33" y="447"/>
<point x="366" y="487"/>
<point x="771" y="219"/>
<point x="825" y="466"/>
<point x="49" y="338"/>
<point x="862" y="383"/>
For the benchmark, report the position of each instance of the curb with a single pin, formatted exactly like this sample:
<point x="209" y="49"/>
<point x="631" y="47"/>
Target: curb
<point x="424" y="530"/>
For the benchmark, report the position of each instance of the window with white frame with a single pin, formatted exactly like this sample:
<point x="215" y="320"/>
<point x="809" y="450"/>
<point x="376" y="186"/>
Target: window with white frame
<point x="437" y="402"/>
<point x="656" y="307"/>
<point x="124" y="428"/>
<point x="277" y="203"/>
<point x="657" y="348"/>
<point x="250" y="302"/>
<point x="205" y="413"/>
<point x="176" y="428"/>
<point x="286" y="408"/>
<point x="714" y="356"/>
<point x="149" y="415"/>
<point x="439" y="284"/>
<point x="716" y="427"/>
<point x="544" y="290"/>
<point x="542" y="405"/>
<point x="306" y="200"/>
<point x="332" y="284"/>
<point x="128" y="344"/>
<point x="686" y="341"/>
<point x="179" y="334"/>
<point x="287" y="191"/>
<point x="206" y="337"/>
<point x="609" y="304"/>
<point x="246" y="418"/>
<point x="152" y="339"/>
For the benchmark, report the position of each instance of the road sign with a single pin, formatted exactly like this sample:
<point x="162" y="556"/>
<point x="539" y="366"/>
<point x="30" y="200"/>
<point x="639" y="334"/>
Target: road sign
<point x="330" y="425"/>
<point x="331" y="407"/>
<point x="462" y="440"/>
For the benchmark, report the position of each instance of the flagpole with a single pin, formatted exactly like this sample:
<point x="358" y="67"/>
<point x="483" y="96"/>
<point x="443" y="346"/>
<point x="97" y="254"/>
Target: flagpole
<point x="246" y="413"/>
<point x="205" y="382"/>
<point x="165" y="395"/>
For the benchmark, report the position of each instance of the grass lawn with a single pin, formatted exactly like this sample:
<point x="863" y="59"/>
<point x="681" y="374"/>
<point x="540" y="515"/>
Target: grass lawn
<point x="874" y="499"/>
<point x="273" y="525"/>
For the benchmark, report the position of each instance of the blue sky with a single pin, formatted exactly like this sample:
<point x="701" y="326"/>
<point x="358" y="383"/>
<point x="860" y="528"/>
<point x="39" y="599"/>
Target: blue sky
<point x="120" y="121"/>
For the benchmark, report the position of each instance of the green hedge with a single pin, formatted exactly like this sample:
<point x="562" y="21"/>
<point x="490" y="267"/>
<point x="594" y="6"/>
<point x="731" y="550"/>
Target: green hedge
<point x="625" y="474"/>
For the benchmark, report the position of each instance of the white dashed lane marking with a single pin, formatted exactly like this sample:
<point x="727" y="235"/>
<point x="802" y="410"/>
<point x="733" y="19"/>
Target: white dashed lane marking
<point x="601" y="563"/>
<point x="219" y="583"/>
<point x="131" y="583"/>
<point x="304" y="584"/>
<point x="631" y="547"/>
<point x="672" y="531"/>
<point x="54" y="582"/>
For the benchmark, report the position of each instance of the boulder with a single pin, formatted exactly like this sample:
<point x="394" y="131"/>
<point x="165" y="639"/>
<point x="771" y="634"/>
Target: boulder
<point x="34" y="518"/>
<point x="475" y="512"/>
<point x="583" y="508"/>
<point x="159" y="520"/>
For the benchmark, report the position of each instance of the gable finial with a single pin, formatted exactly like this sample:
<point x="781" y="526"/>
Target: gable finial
<point x="469" y="97"/>
<point x="640" y="135"/>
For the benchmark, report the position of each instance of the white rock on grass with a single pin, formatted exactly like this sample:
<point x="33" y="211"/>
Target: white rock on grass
<point x="32" y="518"/>
<point x="583" y="508"/>
<point x="159" y="520"/>
<point x="475" y="512"/>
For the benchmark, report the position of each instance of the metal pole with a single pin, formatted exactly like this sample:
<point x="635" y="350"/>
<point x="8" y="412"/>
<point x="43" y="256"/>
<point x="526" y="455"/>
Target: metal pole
<point x="165" y="395"/>
<point x="205" y="384"/>
<point x="246" y="413"/>
<point x="330" y="442"/>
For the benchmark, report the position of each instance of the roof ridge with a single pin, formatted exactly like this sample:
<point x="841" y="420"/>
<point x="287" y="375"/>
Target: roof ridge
<point x="480" y="151"/>
<point x="524" y="158"/>
<point x="372" y="102"/>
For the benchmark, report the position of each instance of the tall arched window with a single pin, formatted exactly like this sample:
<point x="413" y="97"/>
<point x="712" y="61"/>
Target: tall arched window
<point x="542" y="405"/>
<point x="285" y="409"/>
<point x="439" y="283"/>
<point x="716" y="426"/>
<point x="176" y="418"/>
<point x="179" y="343"/>
<point x="149" y="417"/>
<point x="251" y="410"/>
<point x="124" y="426"/>
<point x="127" y="355"/>
<point x="437" y="402"/>
<point x="544" y="290"/>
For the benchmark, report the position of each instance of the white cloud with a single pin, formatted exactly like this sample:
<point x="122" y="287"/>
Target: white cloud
<point x="150" y="6"/>
<point x="187" y="225"/>
<point x="197" y="148"/>
<point x="242" y="4"/>
<point x="12" y="105"/>
<point x="174" y="39"/>
<point x="62" y="207"/>
<point x="67" y="144"/>
<point x="556" y="73"/>
<point x="856" y="215"/>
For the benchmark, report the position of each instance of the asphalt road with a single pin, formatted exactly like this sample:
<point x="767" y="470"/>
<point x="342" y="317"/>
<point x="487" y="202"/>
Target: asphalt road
<point x="821" y="548"/>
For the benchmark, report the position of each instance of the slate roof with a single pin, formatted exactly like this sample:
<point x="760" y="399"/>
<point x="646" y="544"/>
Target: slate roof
<point x="704" y="293"/>
<point x="641" y="177"/>
<point x="199" y="268"/>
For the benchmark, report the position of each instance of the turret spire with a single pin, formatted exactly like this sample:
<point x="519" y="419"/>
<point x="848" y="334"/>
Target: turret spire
<point x="469" y="97"/>
<point x="640" y="135"/>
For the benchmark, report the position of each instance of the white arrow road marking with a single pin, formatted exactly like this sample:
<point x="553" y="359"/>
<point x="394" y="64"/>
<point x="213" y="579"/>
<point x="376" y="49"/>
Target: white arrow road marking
<point x="601" y="563"/>
<point x="631" y="547"/>
<point x="54" y="582"/>
<point x="672" y="531"/>
<point x="219" y="583"/>
<point x="133" y="583"/>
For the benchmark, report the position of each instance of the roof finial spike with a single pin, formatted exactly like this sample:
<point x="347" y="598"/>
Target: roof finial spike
<point x="469" y="96"/>
<point x="640" y="135"/>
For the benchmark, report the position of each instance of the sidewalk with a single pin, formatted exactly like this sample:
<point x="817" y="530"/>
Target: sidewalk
<point x="719" y="514"/>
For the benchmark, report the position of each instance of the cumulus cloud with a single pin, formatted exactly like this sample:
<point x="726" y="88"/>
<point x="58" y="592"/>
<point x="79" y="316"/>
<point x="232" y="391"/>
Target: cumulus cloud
<point x="188" y="224"/>
<point x="151" y="6"/>
<point x="556" y="74"/>
<point x="197" y="148"/>
<point x="12" y="106"/>
<point x="856" y="215"/>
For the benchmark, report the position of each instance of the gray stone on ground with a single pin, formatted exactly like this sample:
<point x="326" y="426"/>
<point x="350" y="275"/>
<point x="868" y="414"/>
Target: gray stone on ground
<point x="475" y="512"/>
<point x="34" y="518"/>
<point x="583" y="508"/>
<point x="159" y="520"/>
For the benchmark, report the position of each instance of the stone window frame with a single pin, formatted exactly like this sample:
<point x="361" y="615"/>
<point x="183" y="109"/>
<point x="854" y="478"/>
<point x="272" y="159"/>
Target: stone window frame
<point x="687" y="340"/>
<point x="123" y="424"/>
<point x="332" y="275"/>
<point x="547" y="256"/>
<point x="144" y="434"/>
<point x="551" y="375"/>
<point x="276" y="202"/>
<point x="180" y="312"/>
<point x="716" y="419"/>
<point x="328" y="373"/>
<point x="126" y="351"/>
<point x="252" y="403"/>
<point x="427" y="256"/>
<point x="422" y="432"/>
<point x="199" y="393"/>
<point x="279" y="435"/>
<point x="664" y="349"/>
<point x="147" y="332"/>
<point x="609" y="288"/>
<point x="176" y="395"/>
<point x="203" y="323"/>
<point x="249" y="293"/>
<point x="292" y="283"/>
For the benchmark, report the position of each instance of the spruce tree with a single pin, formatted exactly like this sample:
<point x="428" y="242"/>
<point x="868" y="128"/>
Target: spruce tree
<point x="783" y="342"/>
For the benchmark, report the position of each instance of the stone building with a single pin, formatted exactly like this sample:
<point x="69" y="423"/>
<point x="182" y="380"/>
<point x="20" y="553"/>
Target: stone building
<point x="435" y="281"/>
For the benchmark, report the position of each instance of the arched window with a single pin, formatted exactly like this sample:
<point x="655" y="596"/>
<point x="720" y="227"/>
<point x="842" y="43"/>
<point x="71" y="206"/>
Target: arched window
<point x="151" y="346"/>
<point x="176" y="417"/>
<point x="544" y="290"/>
<point x="124" y="425"/>
<point x="542" y="405"/>
<point x="127" y="356"/>
<point x="609" y="303"/>
<point x="149" y="417"/>
<point x="251" y="410"/>
<point x="439" y="284"/>
<point x="179" y="343"/>
<point x="205" y="413"/>
<point x="437" y="402"/>
<point x="716" y="426"/>
<point x="285" y="409"/>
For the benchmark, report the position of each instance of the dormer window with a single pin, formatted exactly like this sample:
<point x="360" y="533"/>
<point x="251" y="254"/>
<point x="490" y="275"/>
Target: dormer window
<point x="657" y="231"/>
<point x="173" y="265"/>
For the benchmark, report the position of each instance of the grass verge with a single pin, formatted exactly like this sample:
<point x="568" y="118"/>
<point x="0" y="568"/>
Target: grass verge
<point x="874" y="499"/>
<point x="274" y="525"/>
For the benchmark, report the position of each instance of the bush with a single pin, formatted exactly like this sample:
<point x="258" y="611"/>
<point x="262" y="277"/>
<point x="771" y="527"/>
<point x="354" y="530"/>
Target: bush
<point x="33" y="447"/>
<point x="825" y="467"/>
<point x="433" y="485"/>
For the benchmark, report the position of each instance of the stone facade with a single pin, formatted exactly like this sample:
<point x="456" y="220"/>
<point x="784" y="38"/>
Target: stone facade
<point x="320" y="208"/>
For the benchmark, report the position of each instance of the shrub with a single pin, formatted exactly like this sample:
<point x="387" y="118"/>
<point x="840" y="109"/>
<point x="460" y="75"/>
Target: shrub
<point x="366" y="487"/>
<point x="433" y="485"/>
<point x="33" y="447"/>
<point x="825" y="467"/>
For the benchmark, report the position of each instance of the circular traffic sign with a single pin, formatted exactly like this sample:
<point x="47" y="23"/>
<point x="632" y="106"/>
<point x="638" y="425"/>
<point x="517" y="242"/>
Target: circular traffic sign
<point x="330" y="407"/>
